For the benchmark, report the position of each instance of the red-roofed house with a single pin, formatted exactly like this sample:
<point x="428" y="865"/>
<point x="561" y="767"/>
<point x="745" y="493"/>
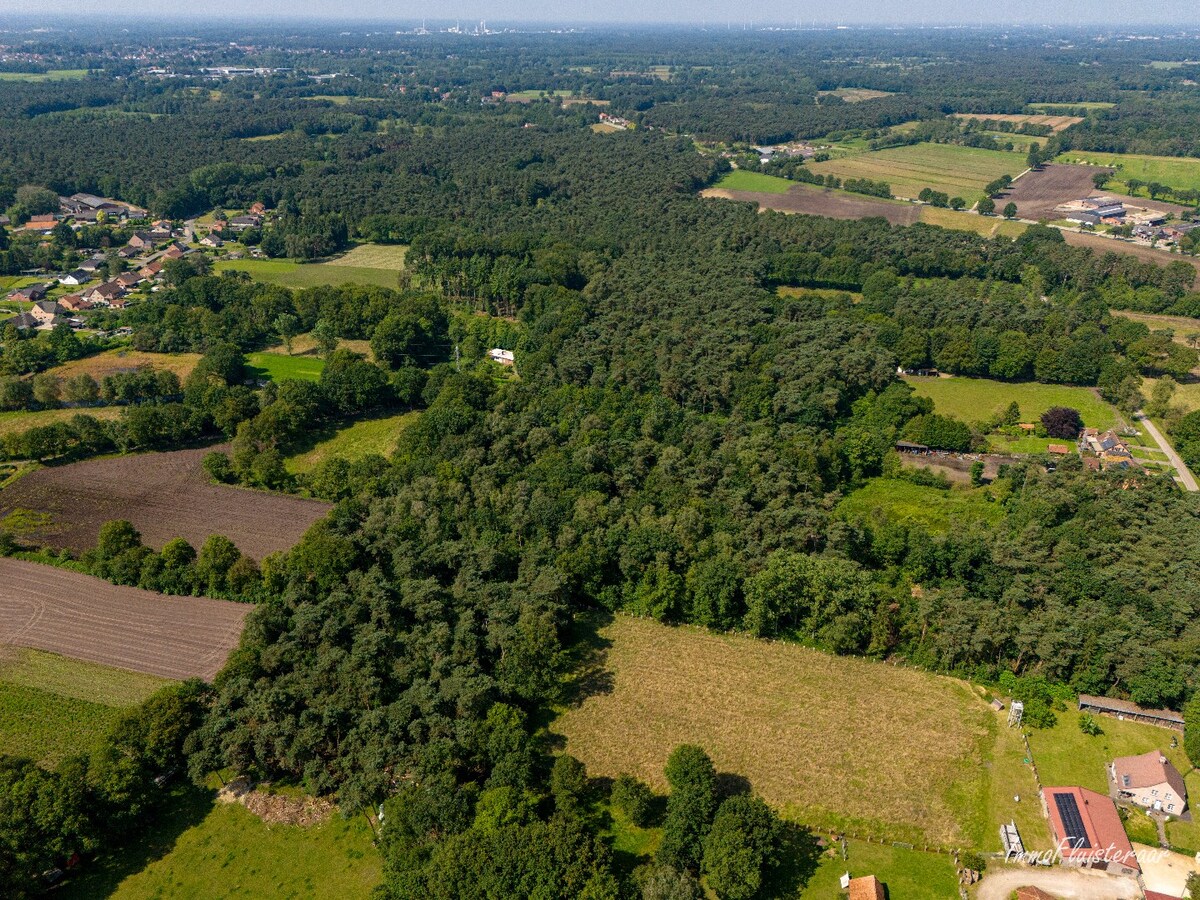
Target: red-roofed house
<point x="868" y="887"/>
<point x="1087" y="830"/>
<point x="1151" y="781"/>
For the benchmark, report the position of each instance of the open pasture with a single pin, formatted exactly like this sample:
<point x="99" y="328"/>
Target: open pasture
<point x="49" y="75"/>
<point x="934" y="509"/>
<point x="830" y="741"/>
<point x="368" y="264"/>
<point x="987" y="226"/>
<point x="742" y="180"/>
<point x="972" y="399"/>
<point x="1055" y="122"/>
<point x="20" y="420"/>
<point x="164" y="495"/>
<point x="806" y="199"/>
<point x="271" y="366"/>
<point x="958" y="171"/>
<point x="110" y="362"/>
<point x="361" y="439"/>
<point x="372" y="256"/>
<point x="76" y="615"/>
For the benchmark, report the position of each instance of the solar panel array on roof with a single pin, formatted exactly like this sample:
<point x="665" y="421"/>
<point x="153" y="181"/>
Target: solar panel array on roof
<point x="1068" y="811"/>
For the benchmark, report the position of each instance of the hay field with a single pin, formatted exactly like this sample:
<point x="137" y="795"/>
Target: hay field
<point x="1055" y="122"/>
<point x="372" y="256"/>
<point x="988" y="226"/>
<point x="830" y="741"/>
<point x="126" y="360"/>
<point x="971" y="399"/>
<point x="959" y="171"/>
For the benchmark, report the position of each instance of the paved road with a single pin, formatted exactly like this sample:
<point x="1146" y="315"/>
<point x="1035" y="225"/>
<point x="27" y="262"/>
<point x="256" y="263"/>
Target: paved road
<point x="999" y="884"/>
<point x="1185" y="476"/>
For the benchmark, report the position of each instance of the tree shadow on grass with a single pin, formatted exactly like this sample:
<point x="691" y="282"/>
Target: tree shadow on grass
<point x="799" y="856"/>
<point x="587" y="660"/>
<point x="100" y="876"/>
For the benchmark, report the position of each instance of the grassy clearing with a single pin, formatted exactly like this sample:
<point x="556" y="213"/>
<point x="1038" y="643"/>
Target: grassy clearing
<point x="292" y="274"/>
<point x="908" y="874"/>
<point x="1181" y="326"/>
<point x="51" y="75"/>
<point x="305" y="345"/>
<point x="1175" y="171"/>
<point x="971" y="399"/>
<point x="372" y="256"/>
<point x="21" y="420"/>
<point x="741" y="180"/>
<point x="277" y="366"/>
<point x="959" y="171"/>
<point x="52" y="706"/>
<point x="817" y="293"/>
<point x="1084" y="105"/>
<point x="123" y="360"/>
<point x="895" y="752"/>
<point x="1067" y="756"/>
<point x="855" y="95"/>
<point x="935" y="510"/>
<point x="988" y="226"/>
<point x="203" y="849"/>
<point x="371" y="436"/>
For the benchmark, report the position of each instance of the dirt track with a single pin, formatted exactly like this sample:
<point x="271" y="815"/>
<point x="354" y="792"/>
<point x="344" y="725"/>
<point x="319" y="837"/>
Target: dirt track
<point x="83" y="617"/>
<point x="812" y="201"/>
<point x="165" y="496"/>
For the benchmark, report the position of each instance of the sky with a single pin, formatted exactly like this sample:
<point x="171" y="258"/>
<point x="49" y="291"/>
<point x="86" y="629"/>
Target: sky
<point x="1173" y="13"/>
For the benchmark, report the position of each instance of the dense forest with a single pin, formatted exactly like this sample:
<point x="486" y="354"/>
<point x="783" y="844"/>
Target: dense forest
<point x="674" y="447"/>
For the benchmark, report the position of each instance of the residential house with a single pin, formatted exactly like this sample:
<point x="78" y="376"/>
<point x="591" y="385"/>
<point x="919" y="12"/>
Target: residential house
<point x="47" y="313"/>
<point x="129" y="280"/>
<point x="75" y="303"/>
<point x="106" y="293"/>
<point x="151" y="270"/>
<point x="21" y="322"/>
<point x="4" y="220"/>
<point x="31" y="294"/>
<point x="76" y="278"/>
<point x="95" y="264"/>
<point x="174" y="252"/>
<point x="241" y="223"/>
<point x="212" y="240"/>
<point x="867" y="887"/>
<point x="1108" y="446"/>
<point x="1151" y="781"/>
<point x="142" y="240"/>
<point x="257" y="208"/>
<point x="128" y="251"/>
<point x="504" y="357"/>
<point x="1087" y="830"/>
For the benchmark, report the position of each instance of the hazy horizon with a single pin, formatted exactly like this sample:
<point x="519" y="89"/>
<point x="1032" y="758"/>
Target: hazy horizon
<point x="1180" y="14"/>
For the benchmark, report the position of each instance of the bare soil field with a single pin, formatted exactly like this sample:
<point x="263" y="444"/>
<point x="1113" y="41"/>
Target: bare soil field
<point x="1056" y="123"/>
<point x="1039" y="194"/>
<point x="1104" y="245"/>
<point x="809" y="201"/>
<point x="75" y="615"/>
<point x="165" y="495"/>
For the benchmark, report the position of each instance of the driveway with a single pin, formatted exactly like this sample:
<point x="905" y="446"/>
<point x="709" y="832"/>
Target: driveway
<point x="1083" y="884"/>
<point x="1163" y="871"/>
<point x="1185" y="477"/>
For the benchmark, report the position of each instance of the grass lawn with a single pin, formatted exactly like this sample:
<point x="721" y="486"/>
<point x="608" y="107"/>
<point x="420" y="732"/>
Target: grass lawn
<point x="275" y="366"/>
<point x="959" y="171"/>
<point x="292" y="274"/>
<point x="52" y="706"/>
<point x="370" y="436"/>
<point x="936" y="510"/>
<point x="50" y="75"/>
<point x="971" y="399"/>
<point x="1066" y="756"/>
<point x="913" y="761"/>
<point x="1175" y="171"/>
<point x="1186" y="835"/>
<point x="988" y="226"/>
<point x="203" y="849"/>
<point x="20" y="420"/>
<point x="741" y="180"/>
<point x="907" y="874"/>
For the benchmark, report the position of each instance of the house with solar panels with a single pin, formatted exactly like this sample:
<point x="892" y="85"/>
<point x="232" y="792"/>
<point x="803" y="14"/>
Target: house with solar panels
<point x="1087" y="830"/>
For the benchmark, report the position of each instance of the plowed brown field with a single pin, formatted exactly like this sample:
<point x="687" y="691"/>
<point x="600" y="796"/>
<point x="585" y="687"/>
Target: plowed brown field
<point x="165" y="496"/>
<point x="83" y="617"/>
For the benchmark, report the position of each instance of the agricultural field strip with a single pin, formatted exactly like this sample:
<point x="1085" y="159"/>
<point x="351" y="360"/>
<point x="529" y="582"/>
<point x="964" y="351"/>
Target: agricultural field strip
<point x="164" y="495"/>
<point x="75" y="615"/>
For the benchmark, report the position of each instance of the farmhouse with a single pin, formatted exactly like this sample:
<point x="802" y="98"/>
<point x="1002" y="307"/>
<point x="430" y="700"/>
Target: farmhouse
<point x="1149" y="780"/>
<point x="241" y="223"/>
<point x="1107" y="445"/>
<point x="1087" y="830"/>
<point x="1084" y="217"/>
<point x="1124" y="709"/>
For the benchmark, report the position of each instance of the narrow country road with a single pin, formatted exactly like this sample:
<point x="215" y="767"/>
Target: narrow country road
<point x="1185" y="476"/>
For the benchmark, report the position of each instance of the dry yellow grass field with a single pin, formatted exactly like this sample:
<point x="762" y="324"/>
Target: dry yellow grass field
<point x="829" y="741"/>
<point x="372" y="256"/>
<point x="112" y="361"/>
